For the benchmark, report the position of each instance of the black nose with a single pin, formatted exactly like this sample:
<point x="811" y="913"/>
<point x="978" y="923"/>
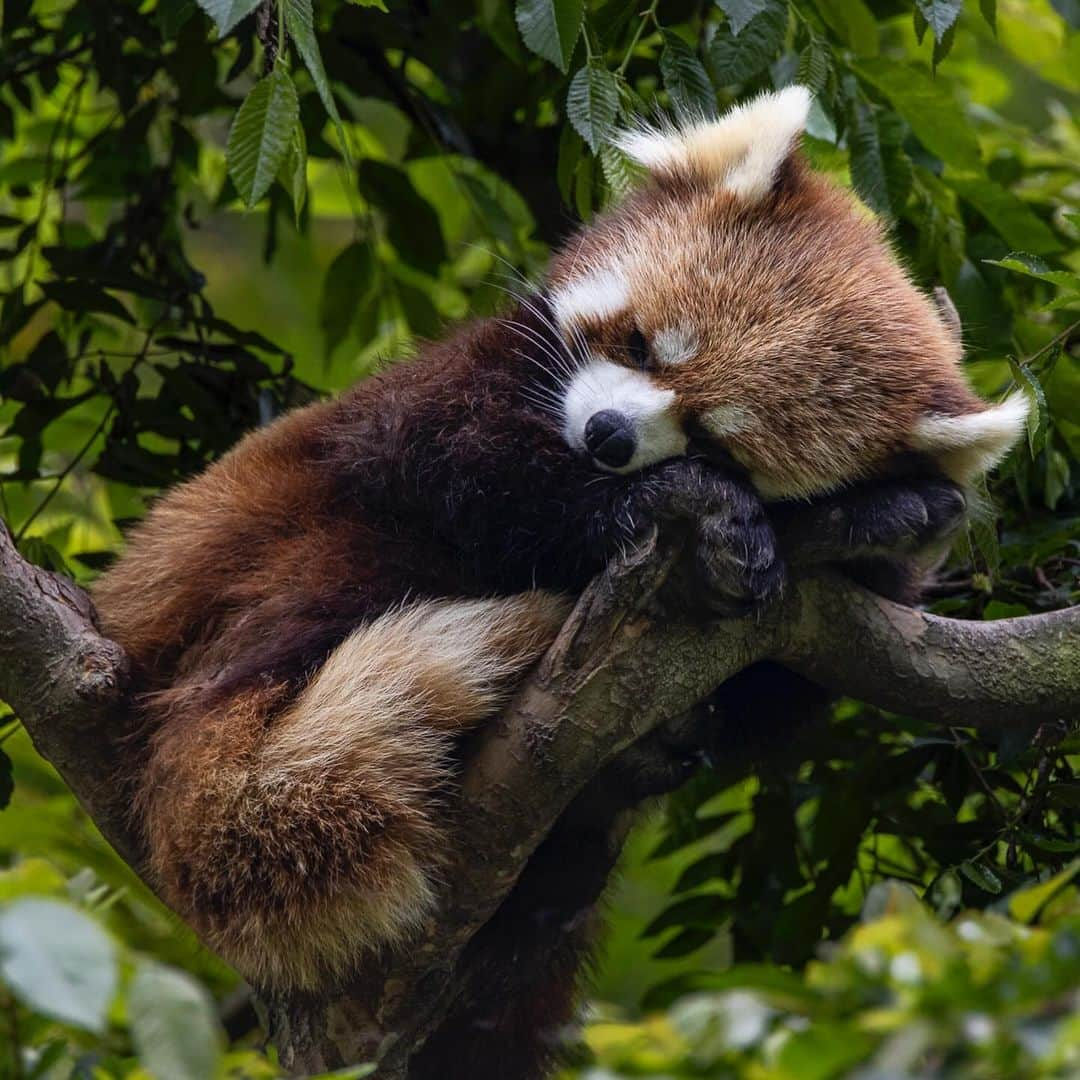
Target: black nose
<point x="609" y="437"/>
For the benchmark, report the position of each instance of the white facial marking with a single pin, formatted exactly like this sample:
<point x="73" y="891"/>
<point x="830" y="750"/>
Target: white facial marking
<point x="675" y="345"/>
<point x="600" y="384"/>
<point x="598" y="295"/>
<point x="726" y="420"/>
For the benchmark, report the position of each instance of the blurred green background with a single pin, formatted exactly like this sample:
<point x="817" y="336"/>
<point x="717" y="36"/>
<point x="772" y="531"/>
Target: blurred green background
<point x="149" y="318"/>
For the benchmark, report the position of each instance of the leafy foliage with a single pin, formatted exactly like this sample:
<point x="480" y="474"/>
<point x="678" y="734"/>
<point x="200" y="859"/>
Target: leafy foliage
<point x="212" y="212"/>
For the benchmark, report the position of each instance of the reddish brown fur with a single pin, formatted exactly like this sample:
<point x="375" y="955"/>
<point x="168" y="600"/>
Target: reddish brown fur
<point x="803" y="317"/>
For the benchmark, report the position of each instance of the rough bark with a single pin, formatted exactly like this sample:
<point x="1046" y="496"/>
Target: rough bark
<point x="625" y="662"/>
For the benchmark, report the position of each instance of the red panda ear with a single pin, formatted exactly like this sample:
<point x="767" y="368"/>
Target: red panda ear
<point x="969" y="445"/>
<point x="741" y="151"/>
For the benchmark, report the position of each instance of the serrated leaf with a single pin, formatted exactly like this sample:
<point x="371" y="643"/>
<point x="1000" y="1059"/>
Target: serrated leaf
<point x="551" y="28"/>
<point x="981" y="876"/>
<point x="740" y="12"/>
<point x="293" y="174"/>
<point x="1038" y="416"/>
<point x="940" y="15"/>
<point x="58" y="962"/>
<point x="350" y="280"/>
<point x="867" y="160"/>
<point x="173" y="1025"/>
<point x="227" y="13"/>
<point x="736" y="59"/>
<point x="813" y="70"/>
<point x="619" y="172"/>
<point x="261" y="134"/>
<point x="300" y="23"/>
<point x="686" y="80"/>
<point x="592" y="104"/>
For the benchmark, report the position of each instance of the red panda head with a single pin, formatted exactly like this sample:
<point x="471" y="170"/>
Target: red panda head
<point x="740" y="297"/>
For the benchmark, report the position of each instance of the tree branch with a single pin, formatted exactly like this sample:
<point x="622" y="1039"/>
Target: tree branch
<point x="627" y="660"/>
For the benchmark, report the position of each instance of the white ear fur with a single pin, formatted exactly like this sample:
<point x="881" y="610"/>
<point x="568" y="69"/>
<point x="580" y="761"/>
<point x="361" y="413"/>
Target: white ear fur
<point x="968" y="446"/>
<point x="742" y="150"/>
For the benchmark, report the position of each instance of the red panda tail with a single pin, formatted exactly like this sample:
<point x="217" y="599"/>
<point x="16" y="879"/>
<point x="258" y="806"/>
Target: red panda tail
<point x="295" y="836"/>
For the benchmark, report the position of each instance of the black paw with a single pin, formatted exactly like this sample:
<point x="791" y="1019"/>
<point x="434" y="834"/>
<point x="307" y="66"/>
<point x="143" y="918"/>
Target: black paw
<point x="906" y="518"/>
<point x="886" y="517"/>
<point x="735" y="548"/>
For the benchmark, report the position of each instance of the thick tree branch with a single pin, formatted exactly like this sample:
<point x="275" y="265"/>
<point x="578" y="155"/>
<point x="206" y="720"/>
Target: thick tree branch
<point x="621" y="666"/>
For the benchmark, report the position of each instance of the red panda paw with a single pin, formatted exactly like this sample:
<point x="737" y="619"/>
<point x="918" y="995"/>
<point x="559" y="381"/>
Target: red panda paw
<point x="737" y="561"/>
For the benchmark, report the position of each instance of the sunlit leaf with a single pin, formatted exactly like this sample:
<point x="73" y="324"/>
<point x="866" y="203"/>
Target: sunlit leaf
<point x="261" y="135"/>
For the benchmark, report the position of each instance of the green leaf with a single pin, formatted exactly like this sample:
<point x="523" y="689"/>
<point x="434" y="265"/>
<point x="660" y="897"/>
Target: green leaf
<point x="1025" y="904"/>
<point x="551" y="28"/>
<point x="931" y="111"/>
<point x="1038" y="416"/>
<point x="619" y="172"/>
<point x="1010" y="216"/>
<point x="173" y="1025"/>
<point x="867" y="162"/>
<point x="740" y="12"/>
<point x="1020" y="262"/>
<point x="813" y="70"/>
<point x="227" y="13"/>
<point x="592" y="104"/>
<point x="980" y="875"/>
<point x="300" y="22"/>
<point x="854" y="22"/>
<point x="736" y="59"/>
<point x="988" y="8"/>
<point x="350" y="280"/>
<point x="261" y="135"/>
<point x="686" y="80"/>
<point x="293" y="173"/>
<point x="940" y="15"/>
<point x="58" y="962"/>
<point x="684" y="943"/>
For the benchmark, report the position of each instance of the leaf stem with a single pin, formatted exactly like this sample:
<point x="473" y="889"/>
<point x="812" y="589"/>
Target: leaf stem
<point x="646" y="16"/>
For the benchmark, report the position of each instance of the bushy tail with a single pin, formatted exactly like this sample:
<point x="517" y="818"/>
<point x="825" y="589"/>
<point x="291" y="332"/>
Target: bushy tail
<point x="294" y="836"/>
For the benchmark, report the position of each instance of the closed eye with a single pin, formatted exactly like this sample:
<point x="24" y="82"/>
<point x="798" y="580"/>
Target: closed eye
<point x="638" y="348"/>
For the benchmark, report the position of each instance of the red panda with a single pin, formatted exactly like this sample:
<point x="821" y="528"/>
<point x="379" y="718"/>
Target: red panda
<point x="744" y="296"/>
<point x="316" y="619"/>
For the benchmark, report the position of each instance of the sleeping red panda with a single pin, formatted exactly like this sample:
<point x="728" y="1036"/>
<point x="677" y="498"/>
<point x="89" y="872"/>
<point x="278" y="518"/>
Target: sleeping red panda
<point x="315" y="619"/>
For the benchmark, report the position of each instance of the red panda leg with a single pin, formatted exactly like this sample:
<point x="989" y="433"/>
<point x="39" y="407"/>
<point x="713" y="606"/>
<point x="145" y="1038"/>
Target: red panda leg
<point x="293" y="838"/>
